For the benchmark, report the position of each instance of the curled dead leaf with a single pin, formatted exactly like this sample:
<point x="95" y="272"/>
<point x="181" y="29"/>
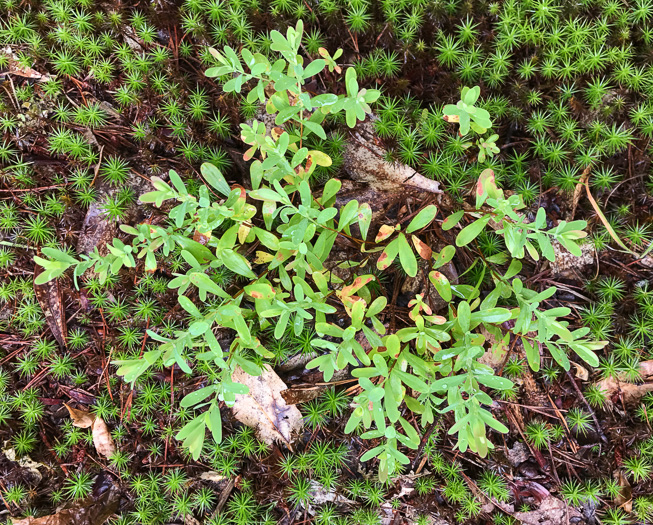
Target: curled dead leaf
<point x="581" y="372"/>
<point x="81" y="418"/>
<point x="15" y="67"/>
<point x="625" y="497"/>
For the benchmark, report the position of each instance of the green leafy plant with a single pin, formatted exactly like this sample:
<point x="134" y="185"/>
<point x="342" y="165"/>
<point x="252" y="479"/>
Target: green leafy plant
<point x="466" y="114"/>
<point x="427" y="367"/>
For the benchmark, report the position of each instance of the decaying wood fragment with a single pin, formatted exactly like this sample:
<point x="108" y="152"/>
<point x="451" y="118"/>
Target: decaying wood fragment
<point x="50" y="298"/>
<point x="264" y="408"/>
<point x="364" y="162"/>
<point x="619" y="391"/>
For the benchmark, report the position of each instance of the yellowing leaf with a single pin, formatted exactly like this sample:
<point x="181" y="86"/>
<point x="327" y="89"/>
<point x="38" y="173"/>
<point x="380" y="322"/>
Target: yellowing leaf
<point x="424" y="250"/>
<point x="320" y="158"/>
<point x="384" y="232"/>
<point x="263" y="257"/>
<point x="243" y="232"/>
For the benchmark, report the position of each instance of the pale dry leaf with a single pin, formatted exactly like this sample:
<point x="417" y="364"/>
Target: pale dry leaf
<point x="264" y="409"/>
<point x="581" y="372"/>
<point x="25" y="462"/>
<point x="212" y="475"/>
<point x="321" y="495"/>
<point x="102" y="439"/>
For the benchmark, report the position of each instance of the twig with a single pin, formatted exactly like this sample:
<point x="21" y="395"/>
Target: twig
<point x="97" y="166"/>
<point x="425" y="438"/>
<point x="35" y="189"/>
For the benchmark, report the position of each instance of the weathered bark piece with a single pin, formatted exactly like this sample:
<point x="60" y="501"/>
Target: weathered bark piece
<point x="566" y="264"/>
<point x="364" y="162"/>
<point x="264" y="408"/>
<point x="49" y="297"/>
<point x="617" y="390"/>
<point x="552" y="511"/>
<point x="97" y="230"/>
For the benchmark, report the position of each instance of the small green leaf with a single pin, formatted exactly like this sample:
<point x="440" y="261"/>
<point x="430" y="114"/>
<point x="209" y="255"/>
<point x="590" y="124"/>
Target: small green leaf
<point x="532" y="354"/>
<point x="464" y="316"/>
<point x="406" y="256"/>
<point x="213" y="176"/>
<point x="364" y="219"/>
<point x="471" y="231"/>
<point x="422" y="219"/>
<point x="330" y="190"/>
<point x="495" y="382"/>
<point x="452" y="220"/>
<point x="237" y="263"/>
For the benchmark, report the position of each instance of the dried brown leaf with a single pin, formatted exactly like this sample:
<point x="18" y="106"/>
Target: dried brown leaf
<point x="630" y="393"/>
<point x="14" y="67"/>
<point x="423" y="249"/>
<point x="81" y="418"/>
<point x="92" y="511"/>
<point x="625" y="497"/>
